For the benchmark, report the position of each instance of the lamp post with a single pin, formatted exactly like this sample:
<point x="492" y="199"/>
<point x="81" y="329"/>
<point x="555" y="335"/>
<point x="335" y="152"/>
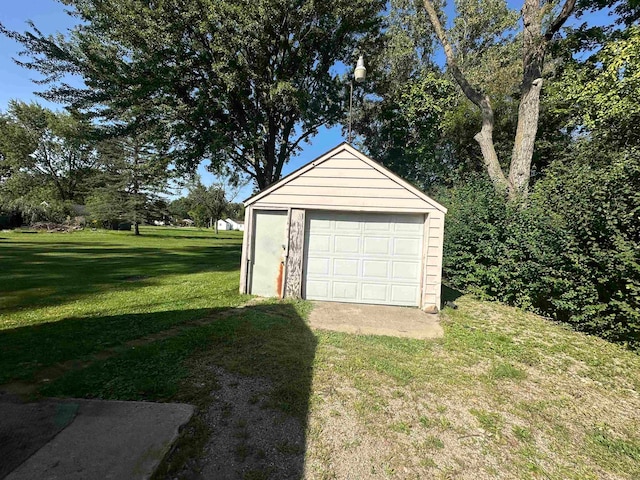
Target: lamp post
<point x="359" y="74"/>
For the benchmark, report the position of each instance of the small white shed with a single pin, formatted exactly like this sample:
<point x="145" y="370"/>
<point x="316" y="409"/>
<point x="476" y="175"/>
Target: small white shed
<point x="344" y="228"/>
<point x="235" y="224"/>
<point x="224" y="225"/>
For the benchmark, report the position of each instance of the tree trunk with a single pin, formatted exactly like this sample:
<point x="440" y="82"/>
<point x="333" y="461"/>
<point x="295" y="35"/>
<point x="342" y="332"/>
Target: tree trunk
<point x="534" y="47"/>
<point x="485" y="139"/>
<point x="136" y="228"/>
<point x="534" y="44"/>
<point x="523" y="145"/>
<point x="485" y="136"/>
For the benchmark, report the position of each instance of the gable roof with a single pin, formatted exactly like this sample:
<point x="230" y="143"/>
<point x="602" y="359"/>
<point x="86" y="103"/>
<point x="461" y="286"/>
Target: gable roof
<point x="344" y="146"/>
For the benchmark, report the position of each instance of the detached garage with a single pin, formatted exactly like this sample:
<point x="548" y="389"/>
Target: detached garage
<point x="343" y="228"/>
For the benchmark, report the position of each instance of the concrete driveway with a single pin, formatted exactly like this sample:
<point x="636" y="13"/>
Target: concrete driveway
<point x="375" y="320"/>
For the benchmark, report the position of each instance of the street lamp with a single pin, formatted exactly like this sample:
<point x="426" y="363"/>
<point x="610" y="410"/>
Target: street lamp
<point x="359" y="74"/>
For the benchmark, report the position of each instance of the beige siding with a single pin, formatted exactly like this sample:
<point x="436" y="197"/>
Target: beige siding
<point x="345" y="181"/>
<point x="433" y="271"/>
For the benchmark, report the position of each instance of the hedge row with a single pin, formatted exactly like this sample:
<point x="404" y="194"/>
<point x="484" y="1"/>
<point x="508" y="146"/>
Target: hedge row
<point x="571" y="252"/>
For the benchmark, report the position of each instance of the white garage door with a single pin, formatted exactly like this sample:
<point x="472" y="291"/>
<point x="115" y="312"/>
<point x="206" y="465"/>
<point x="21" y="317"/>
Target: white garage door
<point x="363" y="258"/>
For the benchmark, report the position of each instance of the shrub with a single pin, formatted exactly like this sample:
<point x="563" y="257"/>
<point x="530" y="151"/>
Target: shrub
<point x="572" y="251"/>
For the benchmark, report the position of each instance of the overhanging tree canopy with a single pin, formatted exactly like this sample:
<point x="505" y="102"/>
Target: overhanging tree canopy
<point x="241" y="83"/>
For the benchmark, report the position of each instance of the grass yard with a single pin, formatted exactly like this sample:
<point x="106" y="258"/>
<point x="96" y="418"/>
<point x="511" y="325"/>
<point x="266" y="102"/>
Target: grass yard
<point x="505" y="394"/>
<point x="66" y="297"/>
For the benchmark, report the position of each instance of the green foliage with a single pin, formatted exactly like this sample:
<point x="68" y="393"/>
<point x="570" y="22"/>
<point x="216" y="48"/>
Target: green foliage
<point x="47" y="161"/>
<point x="474" y="234"/>
<point x="571" y="252"/>
<point x="131" y="175"/>
<point x="240" y="83"/>
<point x="179" y="209"/>
<point x="603" y="90"/>
<point x="405" y="128"/>
<point x="208" y="204"/>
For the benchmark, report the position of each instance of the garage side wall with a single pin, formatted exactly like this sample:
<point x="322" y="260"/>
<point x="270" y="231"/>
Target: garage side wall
<point x="246" y="248"/>
<point x="432" y="282"/>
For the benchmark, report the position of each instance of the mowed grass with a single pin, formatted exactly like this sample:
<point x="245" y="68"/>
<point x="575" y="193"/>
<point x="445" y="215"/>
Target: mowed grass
<point x="505" y="394"/>
<point x="64" y="297"/>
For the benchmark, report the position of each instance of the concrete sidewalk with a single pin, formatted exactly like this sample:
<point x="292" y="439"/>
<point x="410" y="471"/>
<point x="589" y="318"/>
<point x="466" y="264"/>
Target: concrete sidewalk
<point x="105" y="439"/>
<point x="375" y="320"/>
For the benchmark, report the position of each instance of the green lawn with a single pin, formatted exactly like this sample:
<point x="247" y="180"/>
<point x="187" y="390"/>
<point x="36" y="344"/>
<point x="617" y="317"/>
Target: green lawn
<point x="67" y="296"/>
<point x="505" y="394"/>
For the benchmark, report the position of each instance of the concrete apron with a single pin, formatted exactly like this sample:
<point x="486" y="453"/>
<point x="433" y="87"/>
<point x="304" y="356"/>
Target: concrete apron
<point x="108" y="440"/>
<point x="375" y="320"/>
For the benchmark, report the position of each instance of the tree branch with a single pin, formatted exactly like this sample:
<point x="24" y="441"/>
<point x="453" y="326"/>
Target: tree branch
<point x="556" y="25"/>
<point x="485" y="136"/>
<point x="471" y="93"/>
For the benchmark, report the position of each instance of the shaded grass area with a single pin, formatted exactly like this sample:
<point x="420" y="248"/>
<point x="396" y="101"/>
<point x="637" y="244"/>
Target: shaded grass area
<point x="67" y="296"/>
<point x="505" y="394"/>
<point x="268" y="340"/>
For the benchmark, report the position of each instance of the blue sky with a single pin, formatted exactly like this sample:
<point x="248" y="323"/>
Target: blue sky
<point x="50" y="17"/>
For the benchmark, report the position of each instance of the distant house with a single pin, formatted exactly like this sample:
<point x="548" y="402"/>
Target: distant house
<point x="224" y="225"/>
<point x="236" y="224"/>
<point x="187" y="222"/>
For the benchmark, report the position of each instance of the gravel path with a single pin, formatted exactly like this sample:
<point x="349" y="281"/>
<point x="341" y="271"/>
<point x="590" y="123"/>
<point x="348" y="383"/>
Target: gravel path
<point x="249" y="440"/>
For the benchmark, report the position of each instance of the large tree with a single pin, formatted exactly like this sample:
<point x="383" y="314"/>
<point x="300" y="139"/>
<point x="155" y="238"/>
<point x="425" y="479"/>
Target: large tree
<point x="132" y="174"/>
<point x="210" y="201"/>
<point x="45" y="156"/>
<point x="242" y="83"/>
<point x="541" y="22"/>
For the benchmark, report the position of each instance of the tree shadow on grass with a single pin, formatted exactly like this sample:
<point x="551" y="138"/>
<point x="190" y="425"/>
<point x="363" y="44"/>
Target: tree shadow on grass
<point x="27" y="350"/>
<point x="248" y="370"/>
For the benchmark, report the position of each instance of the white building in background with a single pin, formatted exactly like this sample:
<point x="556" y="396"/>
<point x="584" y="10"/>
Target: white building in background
<point x="236" y="224"/>
<point x="224" y="225"/>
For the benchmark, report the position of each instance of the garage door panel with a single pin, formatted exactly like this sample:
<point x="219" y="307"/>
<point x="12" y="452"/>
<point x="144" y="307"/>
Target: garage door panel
<point x="345" y="267"/>
<point x="320" y="243"/>
<point x="346" y="225"/>
<point x="345" y="290"/>
<point x="321" y="224"/>
<point x="377" y="225"/>
<point x="407" y="246"/>
<point x="318" y="289"/>
<point x="404" y="293"/>
<point x="346" y="244"/>
<point x="413" y="225"/>
<point x="376" y="245"/>
<point x="318" y="266"/>
<point x="405" y="270"/>
<point x="375" y="269"/>
<point x="373" y="292"/>
<point x="369" y="257"/>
